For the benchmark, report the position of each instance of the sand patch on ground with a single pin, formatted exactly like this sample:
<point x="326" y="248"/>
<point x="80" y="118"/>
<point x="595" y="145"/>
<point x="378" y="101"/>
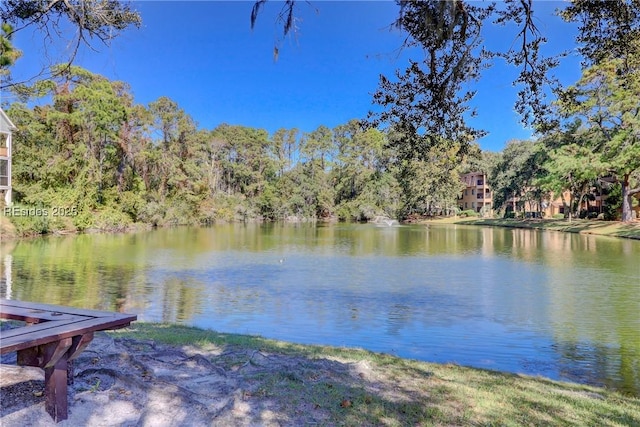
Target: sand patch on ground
<point x="126" y="382"/>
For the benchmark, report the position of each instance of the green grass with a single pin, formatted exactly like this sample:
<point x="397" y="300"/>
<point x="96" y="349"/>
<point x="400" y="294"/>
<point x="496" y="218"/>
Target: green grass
<point x="400" y="392"/>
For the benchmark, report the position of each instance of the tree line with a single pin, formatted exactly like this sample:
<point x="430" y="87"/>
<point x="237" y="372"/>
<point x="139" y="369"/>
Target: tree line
<point x="117" y="163"/>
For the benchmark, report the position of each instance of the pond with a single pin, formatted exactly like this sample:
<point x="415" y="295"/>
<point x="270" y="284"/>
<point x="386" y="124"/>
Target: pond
<point x="559" y="305"/>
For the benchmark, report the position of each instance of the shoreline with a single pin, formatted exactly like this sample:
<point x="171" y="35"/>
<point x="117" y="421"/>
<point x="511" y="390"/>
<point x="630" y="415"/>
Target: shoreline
<point x="172" y="375"/>
<point x="617" y="229"/>
<point x="630" y="230"/>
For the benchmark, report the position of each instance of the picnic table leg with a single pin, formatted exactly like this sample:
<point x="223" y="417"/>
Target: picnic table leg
<point x="52" y="358"/>
<point x="79" y="343"/>
<point x="55" y="389"/>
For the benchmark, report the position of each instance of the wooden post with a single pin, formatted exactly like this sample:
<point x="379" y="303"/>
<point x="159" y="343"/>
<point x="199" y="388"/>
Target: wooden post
<point x="52" y="358"/>
<point x="55" y="389"/>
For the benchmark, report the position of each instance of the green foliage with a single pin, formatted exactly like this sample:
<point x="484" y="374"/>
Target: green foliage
<point x="614" y="203"/>
<point x="606" y="28"/>
<point x="565" y="170"/>
<point x="7" y="229"/>
<point x="268" y="203"/>
<point x="8" y="53"/>
<point x="516" y="172"/>
<point x="117" y="164"/>
<point x="111" y="219"/>
<point x="469" y="213"/>
<point x="29" y="220"/>
<point x="604" y="104"/>
<point x="84" y="221"/>
<point x="132" y="203"/>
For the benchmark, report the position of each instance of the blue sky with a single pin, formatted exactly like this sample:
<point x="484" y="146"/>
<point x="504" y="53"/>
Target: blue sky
<point x="204" y="56"/>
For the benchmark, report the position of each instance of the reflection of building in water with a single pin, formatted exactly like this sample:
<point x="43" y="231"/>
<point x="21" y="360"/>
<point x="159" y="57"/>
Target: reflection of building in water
<point x="563" y="248"/>
<point x="488" y="245"/>
<point x="526" y="243"/>
<point x="5" y="275"/>
<point x="6" y="260"/>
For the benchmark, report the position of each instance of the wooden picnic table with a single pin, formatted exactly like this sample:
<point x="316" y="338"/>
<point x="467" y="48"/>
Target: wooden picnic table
<point x="53" y="336"/>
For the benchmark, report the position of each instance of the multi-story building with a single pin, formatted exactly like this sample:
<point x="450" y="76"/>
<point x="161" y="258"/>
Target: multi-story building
<point x="477" y="194"/>
<point x="6" y="127"/>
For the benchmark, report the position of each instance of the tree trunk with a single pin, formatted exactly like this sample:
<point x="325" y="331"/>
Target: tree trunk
<point x="627" y="194"/>
<point x="579" y="208"/>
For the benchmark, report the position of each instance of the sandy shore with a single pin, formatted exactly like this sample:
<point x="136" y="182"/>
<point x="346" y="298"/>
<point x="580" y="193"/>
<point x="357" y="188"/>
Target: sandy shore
<point x="126" y="382"/>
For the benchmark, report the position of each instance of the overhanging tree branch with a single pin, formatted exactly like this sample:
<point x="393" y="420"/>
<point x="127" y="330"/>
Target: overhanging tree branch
<point x="92" y="19"/>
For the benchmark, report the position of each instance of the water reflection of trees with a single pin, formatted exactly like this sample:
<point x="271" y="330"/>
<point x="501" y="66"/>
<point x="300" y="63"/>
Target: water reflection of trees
<point x="604" y="317"/>
<point x="595" y="304"/>
<point x="86" y="271"/>
<point x="181" y="299"/>
<point x="348" y="239"/>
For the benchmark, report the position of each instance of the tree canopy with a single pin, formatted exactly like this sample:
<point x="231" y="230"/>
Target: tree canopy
<point x="78" y="21"/>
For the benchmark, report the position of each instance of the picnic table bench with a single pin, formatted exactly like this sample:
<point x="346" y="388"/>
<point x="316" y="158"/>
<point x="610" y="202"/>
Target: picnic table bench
<point x="53" y="336"/>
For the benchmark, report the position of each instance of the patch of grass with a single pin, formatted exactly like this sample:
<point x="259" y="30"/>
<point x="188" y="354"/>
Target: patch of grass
<point x="179" y="335"/>
<point x="325" y="383"/>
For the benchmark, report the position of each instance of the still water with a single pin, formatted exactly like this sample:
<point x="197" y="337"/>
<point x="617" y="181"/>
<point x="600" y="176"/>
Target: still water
<point x="559" y="305"/>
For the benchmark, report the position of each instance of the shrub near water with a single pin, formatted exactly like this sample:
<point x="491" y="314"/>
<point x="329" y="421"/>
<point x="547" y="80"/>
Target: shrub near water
<point x="469" y="213"/>
<point x="28" y="220"/>
<point x="110" y="219"/>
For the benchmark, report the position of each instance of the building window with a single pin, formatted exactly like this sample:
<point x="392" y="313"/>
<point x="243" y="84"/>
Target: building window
<point x="4" y="172"/>
<point x="465" y="192"/>
<point x="473" y="204"/>
<point x="466" y="205"/>
<point x="480" y="195"/>
<point x="480" y="182"/>
<point x="473" y="191"/>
